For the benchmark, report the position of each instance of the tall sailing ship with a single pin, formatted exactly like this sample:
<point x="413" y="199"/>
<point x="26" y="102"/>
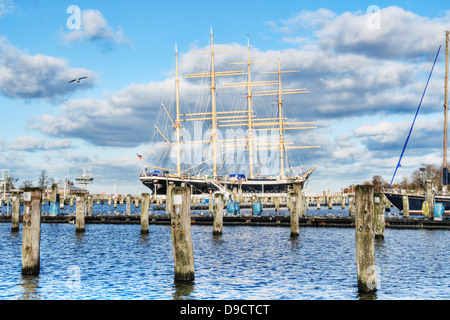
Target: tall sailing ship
<point x="213" y="173"/>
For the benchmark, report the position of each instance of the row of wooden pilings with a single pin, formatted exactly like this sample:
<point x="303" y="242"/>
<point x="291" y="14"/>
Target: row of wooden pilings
<point x="369" y="222"/>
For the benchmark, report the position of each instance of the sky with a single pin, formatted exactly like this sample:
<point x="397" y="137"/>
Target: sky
<point x="364" y="63"/>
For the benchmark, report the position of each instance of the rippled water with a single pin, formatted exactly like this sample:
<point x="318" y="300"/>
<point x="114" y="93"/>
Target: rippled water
<point x="246" y="262"/>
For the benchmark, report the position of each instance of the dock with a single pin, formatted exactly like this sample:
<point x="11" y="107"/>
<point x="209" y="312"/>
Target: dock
<point x="246" y="220"/>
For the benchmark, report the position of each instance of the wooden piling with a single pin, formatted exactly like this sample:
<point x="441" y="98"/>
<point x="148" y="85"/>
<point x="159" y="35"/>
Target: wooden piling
<point x="80" y="206"/>
<point x="379" y="215"/>
<point x="405" y="200"/>
<point x="240" y="195"/>
<point x="211" y="204"/>
<point x="145" y="206"/>
<point x="53" y="196"/>
<point x="15" y="217"/>
<point x="388" y="204"/>
<point x="351" y="205"/>
<point x="218" y="214"/>
<point x="295" y="200"/>
<point x="90" y="205"/>
<point x="364" y="236"/>
<point x="169" y="198"/>
<point x="429" y="198"/>
<point x="181" y="234"/>
<point x="128" y="204"/>
<point x="31" y="234"/>
<point x="276" y="201"/>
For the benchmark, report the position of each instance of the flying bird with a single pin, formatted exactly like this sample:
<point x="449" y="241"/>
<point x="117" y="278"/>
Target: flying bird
<point x="77" y="79"/>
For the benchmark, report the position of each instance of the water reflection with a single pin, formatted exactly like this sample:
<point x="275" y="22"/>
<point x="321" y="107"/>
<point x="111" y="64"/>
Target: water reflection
<point x="183" y="290"/>
<point x="29" y="285"/>
<point x="217" y="239"/>
<point x="366" y="296"/>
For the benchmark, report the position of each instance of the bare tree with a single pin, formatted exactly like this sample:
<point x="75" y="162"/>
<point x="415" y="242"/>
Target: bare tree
<point x="44" y="181"/>
<point x="27" y="184"/>
<point x="379" y="183"/>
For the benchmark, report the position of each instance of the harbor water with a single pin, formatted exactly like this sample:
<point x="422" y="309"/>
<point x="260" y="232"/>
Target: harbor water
<point x="116" y="262"/>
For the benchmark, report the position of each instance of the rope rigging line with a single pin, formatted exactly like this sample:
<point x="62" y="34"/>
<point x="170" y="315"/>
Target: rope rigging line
<point x="415" y="117"/>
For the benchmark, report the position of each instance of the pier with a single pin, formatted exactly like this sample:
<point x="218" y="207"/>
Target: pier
<point x="246" y="219"/>
<point x="277" y="204"/>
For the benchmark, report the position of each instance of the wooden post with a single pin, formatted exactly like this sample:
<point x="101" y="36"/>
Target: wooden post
<point x="90" y="205"/>
<point x="295" y="229"/>
<point x="181" y="234"/>
<point x="115" y="203"/>
<point x="405" y="200"/>
<point x="15" y="218"/>
<point x="318" y="199"/>
<point x="342" y="202"/>
<point x="364" y="236"/>
<point x="136" y="202"/>
<point x="292" y="204"/>
<point x="379" y="215"/>
<point x="211" y="204"/>
<point x="351" y="205"/>
<point x="31" y="233"/>
<point x="305" y="208"/>
<point x="128" y="204"/>
<point x="429" y="198"/>
<point x="240" y="195"/>
<point x="169" y="198"/>
<point x="53" y="197"/>
<point x="330" y="203"/>
<point x="218" y="214"/>
<point x="276" y="201"/>
<point x="80" y="213"/>
<point x="388" y="204"/>
<point x="145" y="206"/>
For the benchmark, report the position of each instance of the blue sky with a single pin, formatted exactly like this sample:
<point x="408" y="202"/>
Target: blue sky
<point x="365" y="84"/>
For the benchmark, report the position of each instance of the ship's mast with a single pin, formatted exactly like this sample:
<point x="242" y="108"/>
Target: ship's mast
<point x="177" y="123"/>
<point x="250" y="122"/>
<point x="445" y="169"/>
<point x="212" y="75"/>
<point x="280" y="121"/>
<point x="250" y="112"/>
<point x="280" y="115"/>
<point x="213" y="107"/>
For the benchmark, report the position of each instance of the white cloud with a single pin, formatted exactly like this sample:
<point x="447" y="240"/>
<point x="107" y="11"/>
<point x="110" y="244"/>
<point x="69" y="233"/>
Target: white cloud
<point x="122" y="119"/>
<point x="31" y="77"/>
<point x="402" y="34"/>
<point x="33" y="144"/>
<point x="95" y="28"/>
<point x="6" y="7"/>
<point x="305" y="19"/>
